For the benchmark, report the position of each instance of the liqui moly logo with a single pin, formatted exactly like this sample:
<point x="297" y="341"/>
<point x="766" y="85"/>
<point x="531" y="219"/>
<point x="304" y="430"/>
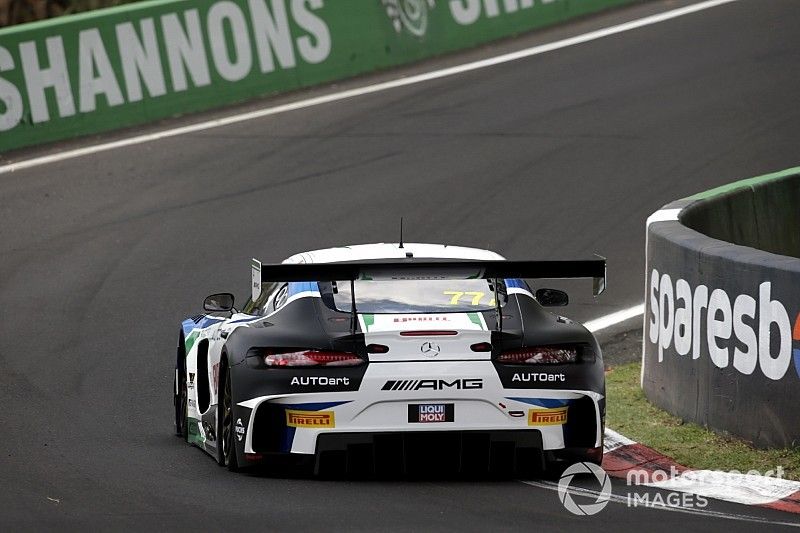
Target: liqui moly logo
<point x="431" y="413"/>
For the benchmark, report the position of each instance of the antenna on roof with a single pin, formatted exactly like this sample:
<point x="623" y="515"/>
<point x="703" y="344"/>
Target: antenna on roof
<point x="401" y="232"/>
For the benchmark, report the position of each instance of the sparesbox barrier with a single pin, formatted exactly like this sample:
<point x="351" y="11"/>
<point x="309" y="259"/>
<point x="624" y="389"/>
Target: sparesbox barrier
<point x="722" y="309"/>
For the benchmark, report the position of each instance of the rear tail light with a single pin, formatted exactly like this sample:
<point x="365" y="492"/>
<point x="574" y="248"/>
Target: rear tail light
<point x="302" y="357"/>
<point x="377" y="348"/>
<point x="539" y="355"/>
<point x="481" y="347"/>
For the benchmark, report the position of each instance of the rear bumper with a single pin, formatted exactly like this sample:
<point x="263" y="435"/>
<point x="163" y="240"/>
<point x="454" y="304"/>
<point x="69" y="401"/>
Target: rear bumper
<point x="377" y="415"/>
<point x="273" y="428"/>
<point x="419" y="452"/>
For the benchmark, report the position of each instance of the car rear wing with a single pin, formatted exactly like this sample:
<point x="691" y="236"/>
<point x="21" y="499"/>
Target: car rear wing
<point x="429" y="269"/>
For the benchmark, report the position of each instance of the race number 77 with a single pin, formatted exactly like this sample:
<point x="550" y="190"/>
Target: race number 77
<point x="457" y="295"/>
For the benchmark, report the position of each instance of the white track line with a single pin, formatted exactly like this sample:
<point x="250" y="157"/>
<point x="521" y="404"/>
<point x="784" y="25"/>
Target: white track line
<point x="620" y="499"/>
<point x="741" y="488"/>
<point x="614" y="318"/>
<point x="369" y="89"/>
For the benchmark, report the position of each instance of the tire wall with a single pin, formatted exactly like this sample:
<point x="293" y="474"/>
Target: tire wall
<point x="722" y="309"/>
<point x="145" y="61"/>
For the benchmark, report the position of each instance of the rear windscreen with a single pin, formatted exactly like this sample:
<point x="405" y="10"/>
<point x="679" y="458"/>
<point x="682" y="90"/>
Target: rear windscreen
<point x="437" y="296"/>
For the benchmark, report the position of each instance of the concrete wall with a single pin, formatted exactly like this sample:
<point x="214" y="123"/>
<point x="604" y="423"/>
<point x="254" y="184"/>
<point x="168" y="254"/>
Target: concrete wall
<point x="722" y="320"/>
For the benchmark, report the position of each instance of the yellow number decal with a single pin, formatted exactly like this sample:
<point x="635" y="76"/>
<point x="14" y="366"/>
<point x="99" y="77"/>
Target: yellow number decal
<point x="476" y="297"/>
<point x="456" y="296"/>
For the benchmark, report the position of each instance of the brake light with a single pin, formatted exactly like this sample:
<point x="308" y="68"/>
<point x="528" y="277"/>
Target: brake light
<point x="427" y="332"/>
<point x="303" y="357"/>
<point x="539" y="355"/>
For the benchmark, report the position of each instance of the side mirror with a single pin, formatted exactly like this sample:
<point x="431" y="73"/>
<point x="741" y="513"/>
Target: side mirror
<point x="219" y="303"/>
<point x="552" y="297"/>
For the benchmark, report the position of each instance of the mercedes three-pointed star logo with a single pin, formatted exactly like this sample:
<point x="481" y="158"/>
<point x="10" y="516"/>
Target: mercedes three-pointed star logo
<point x="430" y="349"/>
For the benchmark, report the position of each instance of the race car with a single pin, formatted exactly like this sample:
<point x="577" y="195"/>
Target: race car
<point x="393" y="357"/>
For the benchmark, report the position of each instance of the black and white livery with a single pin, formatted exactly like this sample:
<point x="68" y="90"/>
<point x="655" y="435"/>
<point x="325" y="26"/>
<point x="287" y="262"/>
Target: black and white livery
<point x="370" y="356"/>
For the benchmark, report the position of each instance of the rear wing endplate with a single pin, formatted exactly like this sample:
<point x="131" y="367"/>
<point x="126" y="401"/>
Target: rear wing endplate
<point x="255" y="274"/>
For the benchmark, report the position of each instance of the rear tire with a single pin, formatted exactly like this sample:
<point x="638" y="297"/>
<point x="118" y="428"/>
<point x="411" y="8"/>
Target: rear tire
<point x="226" y="431"/>
<point x="556" y="463"/>
<point x="180" y="396"/>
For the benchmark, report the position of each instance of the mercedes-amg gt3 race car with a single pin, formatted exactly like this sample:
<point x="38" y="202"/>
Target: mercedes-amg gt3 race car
<point x="385" y="356"/>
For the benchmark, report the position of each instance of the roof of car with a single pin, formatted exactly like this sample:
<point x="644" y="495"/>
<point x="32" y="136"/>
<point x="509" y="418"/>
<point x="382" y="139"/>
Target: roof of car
<point x="363" y="252"/>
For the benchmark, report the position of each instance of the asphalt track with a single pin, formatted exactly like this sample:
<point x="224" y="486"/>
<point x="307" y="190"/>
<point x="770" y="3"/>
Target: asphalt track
<point x="558" y="155"/>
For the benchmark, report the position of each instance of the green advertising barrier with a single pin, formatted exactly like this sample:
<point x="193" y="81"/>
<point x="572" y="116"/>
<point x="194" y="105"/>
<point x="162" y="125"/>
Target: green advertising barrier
<point x="145" y="61"/>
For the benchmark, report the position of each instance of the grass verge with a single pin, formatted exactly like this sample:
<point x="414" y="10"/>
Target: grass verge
<point x="629" y="413"/>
